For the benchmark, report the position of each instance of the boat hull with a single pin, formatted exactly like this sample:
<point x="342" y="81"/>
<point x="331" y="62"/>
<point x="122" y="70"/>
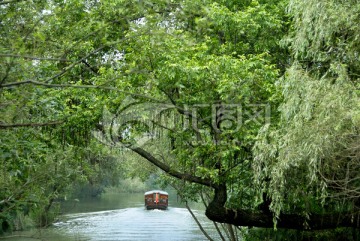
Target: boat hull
<point x="161" y="207"/>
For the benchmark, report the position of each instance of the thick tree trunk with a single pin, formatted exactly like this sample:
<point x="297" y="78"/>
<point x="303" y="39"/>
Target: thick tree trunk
<point x="217" y="212"/>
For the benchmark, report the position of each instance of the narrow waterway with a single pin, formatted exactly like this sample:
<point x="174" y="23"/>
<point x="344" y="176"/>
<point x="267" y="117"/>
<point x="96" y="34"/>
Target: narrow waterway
<point x="121" y="217"/>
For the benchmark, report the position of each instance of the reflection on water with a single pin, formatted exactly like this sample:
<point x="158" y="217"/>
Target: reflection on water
<point x="122" y="217"/>
<point x="108" y="201"/>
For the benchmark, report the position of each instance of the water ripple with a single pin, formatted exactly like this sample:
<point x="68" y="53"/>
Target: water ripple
<point x="133" y="224"/>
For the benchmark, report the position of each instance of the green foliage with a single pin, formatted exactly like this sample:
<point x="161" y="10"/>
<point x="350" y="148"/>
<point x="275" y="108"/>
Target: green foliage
<point x="121" y="70"/>
<point x="325" y="31"/>
<point x="186" y="53"/>
<point x="311" y="155"/>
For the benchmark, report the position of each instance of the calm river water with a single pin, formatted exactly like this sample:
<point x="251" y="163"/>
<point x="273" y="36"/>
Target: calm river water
<point x="121" y="217"/>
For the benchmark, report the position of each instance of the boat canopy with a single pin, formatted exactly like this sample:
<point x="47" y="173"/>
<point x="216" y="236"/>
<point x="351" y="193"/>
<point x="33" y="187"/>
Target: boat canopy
<point x="156" y="191"/>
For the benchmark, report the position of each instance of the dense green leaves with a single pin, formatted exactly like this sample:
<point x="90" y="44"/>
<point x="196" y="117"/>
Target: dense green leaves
<point x="186" y="54"/>
<point x="316" y="136"/>
<point x="217" y="91"/>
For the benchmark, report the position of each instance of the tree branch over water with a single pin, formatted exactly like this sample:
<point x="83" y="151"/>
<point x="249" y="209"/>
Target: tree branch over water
<point x="217" y="211"/>
<point x="18" y="125"/>
<point x="167" y="169"/>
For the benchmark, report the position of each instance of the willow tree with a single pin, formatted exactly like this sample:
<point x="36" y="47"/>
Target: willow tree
<point x="309" y="161"/>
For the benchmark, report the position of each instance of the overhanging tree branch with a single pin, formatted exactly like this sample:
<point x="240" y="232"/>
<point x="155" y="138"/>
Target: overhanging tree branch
<point x="52" y="123"/>
<point x="217" y="212"/>
<point x="167" y="169"/>
<point x="33" y="82"/>
<point x="35" y="57"/>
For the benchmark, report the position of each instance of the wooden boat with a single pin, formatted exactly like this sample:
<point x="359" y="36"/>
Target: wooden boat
<point x="156" y="199"/>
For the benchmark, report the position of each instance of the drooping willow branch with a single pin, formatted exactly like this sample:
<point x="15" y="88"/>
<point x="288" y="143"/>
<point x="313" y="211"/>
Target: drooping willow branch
<point x="216" y="210"/>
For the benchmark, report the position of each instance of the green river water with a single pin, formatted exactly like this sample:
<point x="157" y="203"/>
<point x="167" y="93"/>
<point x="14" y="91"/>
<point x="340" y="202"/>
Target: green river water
<point x="120" y="217"/>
